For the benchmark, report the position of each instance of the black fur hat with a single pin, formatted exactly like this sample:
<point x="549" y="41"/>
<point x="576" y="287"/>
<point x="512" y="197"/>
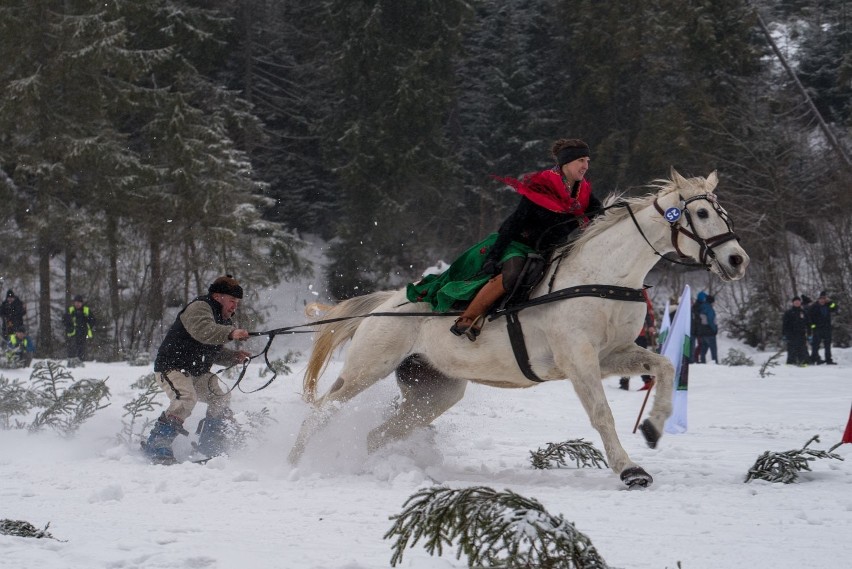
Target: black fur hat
<point x="226" y="285"/>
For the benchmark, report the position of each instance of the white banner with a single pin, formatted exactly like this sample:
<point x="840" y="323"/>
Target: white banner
<point x="676" y="348"/>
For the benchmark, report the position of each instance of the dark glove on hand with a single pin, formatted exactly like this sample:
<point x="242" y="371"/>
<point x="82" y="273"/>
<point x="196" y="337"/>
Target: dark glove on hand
<point x="489" y="267"/>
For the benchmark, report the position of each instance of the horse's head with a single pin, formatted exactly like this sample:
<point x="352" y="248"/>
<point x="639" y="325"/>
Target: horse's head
<point x="700" y="227"/>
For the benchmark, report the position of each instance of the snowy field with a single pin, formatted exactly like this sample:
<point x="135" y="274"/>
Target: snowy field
<point x="252" y="510"/>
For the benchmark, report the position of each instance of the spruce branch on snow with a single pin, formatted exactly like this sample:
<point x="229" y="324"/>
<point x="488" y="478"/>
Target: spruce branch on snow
<point x="281" y="366"/>
<point x="135" y="409"/>
<point x="251" y="428"/>
<point x="15" y="399"/>
<point x="20" y="528"/>
<point x="65" y="408"/>
<point x="583" y="453"/>
<point x="493" y="529"/>
<point x="737" y="357"/>
<point x="785" y="466"/>
<point x="771" y="362"/>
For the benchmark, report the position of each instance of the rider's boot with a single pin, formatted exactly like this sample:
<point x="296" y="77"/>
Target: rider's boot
<point x="470" y="322"/>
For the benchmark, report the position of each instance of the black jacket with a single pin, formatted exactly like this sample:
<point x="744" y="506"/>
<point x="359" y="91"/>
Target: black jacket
<point x="794" y="324"/>
<point x="538" y="227"/>
<point x="819" y="315"/>
<point x="13" y="315"/>
<point x="180" y="351"/>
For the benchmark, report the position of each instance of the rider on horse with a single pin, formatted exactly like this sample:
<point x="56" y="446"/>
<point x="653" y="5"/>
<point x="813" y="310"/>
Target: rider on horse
<point x="554" y="203"/>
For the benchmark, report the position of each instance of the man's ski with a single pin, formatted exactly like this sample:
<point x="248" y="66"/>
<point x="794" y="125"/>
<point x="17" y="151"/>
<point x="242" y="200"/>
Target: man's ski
<point x="169" y="460"/>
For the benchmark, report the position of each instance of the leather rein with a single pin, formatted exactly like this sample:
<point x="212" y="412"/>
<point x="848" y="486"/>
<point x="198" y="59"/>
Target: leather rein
<point x="513" y="324"/>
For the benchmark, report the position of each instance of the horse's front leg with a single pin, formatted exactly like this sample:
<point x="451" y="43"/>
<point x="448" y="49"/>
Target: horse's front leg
<point x="586" y="378"/>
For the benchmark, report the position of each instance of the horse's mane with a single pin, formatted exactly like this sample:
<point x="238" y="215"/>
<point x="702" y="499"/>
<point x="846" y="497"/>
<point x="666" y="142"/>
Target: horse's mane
<point x="613" y="215"/>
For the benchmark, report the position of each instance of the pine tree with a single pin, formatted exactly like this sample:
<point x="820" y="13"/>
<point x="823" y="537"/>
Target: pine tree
<point x="63" y="65"/>
<point x="279" y="63"/>
<point x="386" y="136"/>
<point x="506" y="114"/>
<point x="825" y="62"/>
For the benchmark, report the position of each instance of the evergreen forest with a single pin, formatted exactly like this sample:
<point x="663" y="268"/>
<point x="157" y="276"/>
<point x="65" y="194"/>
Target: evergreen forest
<point x="148" y="146"/>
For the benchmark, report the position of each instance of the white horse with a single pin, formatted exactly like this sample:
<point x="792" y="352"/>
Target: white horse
<point x="580" y="339"/>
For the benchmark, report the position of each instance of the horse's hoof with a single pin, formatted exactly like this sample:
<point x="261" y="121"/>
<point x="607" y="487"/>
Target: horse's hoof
<point x="636" y="477"/>
<point x="650" y="432"/>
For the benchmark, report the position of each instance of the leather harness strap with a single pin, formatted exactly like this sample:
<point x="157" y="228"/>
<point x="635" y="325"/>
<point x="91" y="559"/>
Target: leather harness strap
<point x="513" y="322"/>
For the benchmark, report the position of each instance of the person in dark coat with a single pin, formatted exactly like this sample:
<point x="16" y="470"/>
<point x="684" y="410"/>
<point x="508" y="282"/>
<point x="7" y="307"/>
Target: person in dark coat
<point x="794" y="329"/>
<point x="553" y="204"/>
<point x="182" y="368"/>
<point x="706" y="327"/>
<point x="13" y="312"/>
<point x="79" y="328"/>
<point x="819" y="319"/>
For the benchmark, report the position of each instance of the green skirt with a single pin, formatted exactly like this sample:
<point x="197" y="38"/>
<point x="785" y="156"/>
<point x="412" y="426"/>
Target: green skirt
<point x="463" y="278"/>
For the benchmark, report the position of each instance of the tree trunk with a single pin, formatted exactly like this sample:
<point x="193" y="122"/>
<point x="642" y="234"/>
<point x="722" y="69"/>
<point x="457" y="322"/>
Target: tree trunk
<point x="155" y="296"/>
<point x="114" y="302"/>
<point x="45" y="344"/>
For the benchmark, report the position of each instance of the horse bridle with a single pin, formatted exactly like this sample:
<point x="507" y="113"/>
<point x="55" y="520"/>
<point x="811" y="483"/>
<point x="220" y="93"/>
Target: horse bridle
<point x="673" y="215"/>
<point x="706" y="245"/>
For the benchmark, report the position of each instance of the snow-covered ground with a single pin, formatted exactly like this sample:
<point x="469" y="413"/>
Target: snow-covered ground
<point x="253" y="510"/>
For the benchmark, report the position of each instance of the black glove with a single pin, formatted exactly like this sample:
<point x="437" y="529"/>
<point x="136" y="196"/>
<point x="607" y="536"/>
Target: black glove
<point x="489" y="267"/>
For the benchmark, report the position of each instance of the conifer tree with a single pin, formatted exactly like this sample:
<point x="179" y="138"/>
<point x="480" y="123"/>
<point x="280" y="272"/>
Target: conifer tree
<point x="507" y="112"/>
<point x="63" y="65"/>
<point x="385" y="137"/>
<point x="279" y="62"/>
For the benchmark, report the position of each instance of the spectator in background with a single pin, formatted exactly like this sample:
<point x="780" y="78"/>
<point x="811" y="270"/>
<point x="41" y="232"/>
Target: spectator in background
<point x="13" y="312"/>
<point x="819" y="319"/>
<point x="706" y="327"/>
<point x="646" y="339"/>
<point x="794" y="329"/>
<point x="694" y="325"/>
<point x="79" y="325"/>
<point x="22" y="348"/>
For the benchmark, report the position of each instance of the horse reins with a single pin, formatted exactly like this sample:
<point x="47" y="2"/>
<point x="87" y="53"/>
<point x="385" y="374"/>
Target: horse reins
<point x="515" y="333"/>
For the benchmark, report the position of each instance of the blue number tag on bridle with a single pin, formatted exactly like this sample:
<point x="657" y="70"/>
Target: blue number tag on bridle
<point x="672" y="214"/>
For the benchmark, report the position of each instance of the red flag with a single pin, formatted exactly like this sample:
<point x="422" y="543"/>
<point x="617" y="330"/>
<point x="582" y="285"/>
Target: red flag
<point x="847" y="436"/>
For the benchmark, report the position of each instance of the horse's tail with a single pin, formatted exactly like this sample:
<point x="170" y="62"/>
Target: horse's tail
<point x="331" y="336"/>
<point x="316" y="309"/>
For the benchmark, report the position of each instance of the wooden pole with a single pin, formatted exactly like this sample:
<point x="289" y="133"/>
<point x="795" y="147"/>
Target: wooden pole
<point x="642" y="410"/>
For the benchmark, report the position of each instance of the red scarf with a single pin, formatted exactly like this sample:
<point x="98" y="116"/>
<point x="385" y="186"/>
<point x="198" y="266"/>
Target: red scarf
<point x="547" y="189"/>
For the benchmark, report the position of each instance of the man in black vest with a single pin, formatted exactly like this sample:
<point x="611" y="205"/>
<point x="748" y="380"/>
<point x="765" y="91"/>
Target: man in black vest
<point x="182" y="368"/>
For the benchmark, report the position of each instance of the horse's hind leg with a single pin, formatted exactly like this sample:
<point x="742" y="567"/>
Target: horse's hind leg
<point x="426" y="395"/>
<point x="316" y="420"/>
<point x="326" y="408"/>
